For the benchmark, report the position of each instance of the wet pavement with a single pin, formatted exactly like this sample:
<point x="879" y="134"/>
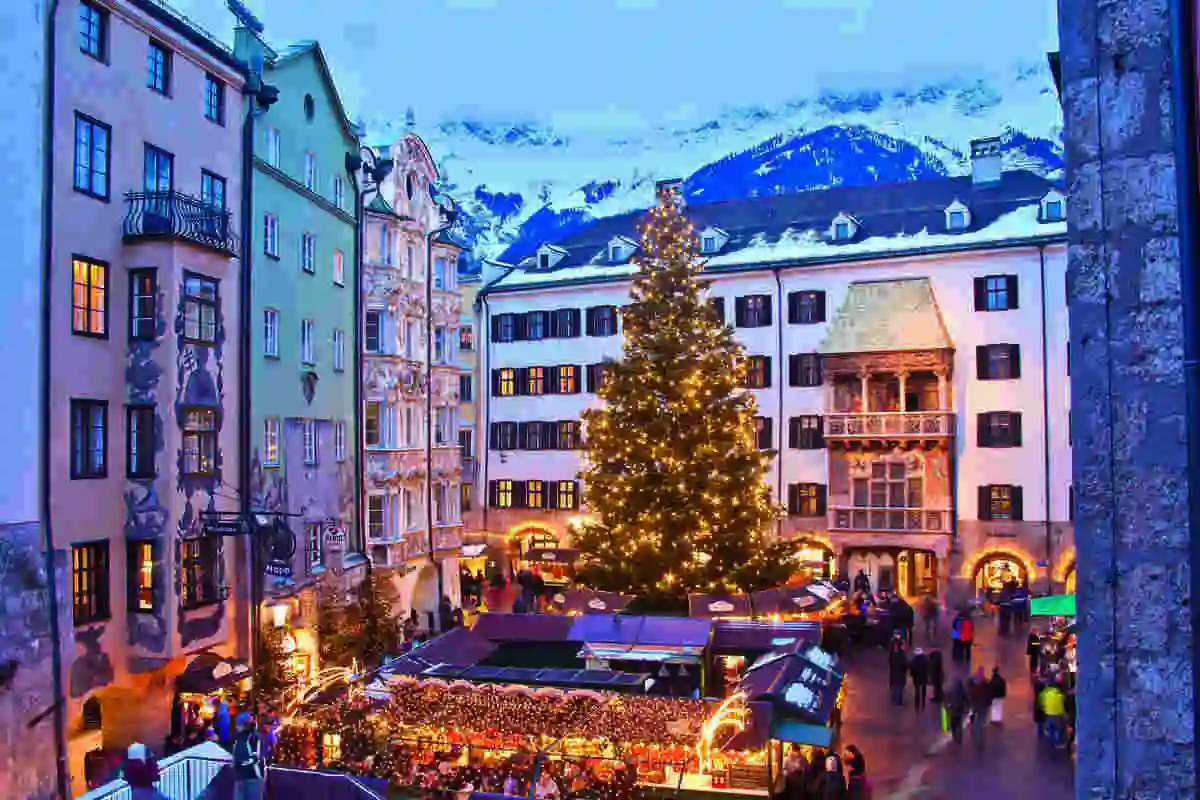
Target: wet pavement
<point x="907" y="754"/>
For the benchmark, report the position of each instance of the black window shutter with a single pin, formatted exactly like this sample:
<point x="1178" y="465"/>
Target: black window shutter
<point x="550" y="436"/>
<point x="718" y="304"/>
<point x="521" y="376"/>
<point x="983" y="430"/>
<point x="766" y="362"/>
<point x="591" y="378"/>
<point x="820" y="433"/>
<point x="822" y="494"/>
<point x="496" y="329"/>
<point x="1014" y="299"/>
<point x="739" y="312"/>
<point x="793" y="498"/>
<point x="552" y="324"/>
<point x="1015" y="428"/>
<point x="985" y="503"/>
<point x="820" y="307"/>
<point x="981" y="294"/>
<point x="495" y="383"/>
<point x="573" y="314"/>
<point x="520" y="326"/>
<point x="494" y="436"/>
<point x="493" y="493"/>
<point x="522" y="435"/>
<point x="794" y="370"/>
<point x="1018" y="503"/>
<point x="1014" y="359"/>
<point x="793" y="308"/>
<point x="794" y="433"/>
<point x="817" y="369"/>
<point x="550" y="380"/>
<point x="519" y="498"/>
<point x="768" y="433"/>
<point x="981" y="362"/>
<point x="767" y="307"/>
<point x="591" y="322"/>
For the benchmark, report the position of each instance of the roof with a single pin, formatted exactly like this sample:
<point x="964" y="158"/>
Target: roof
<point x="565" y="678"/>
<point x="293" y="52"/>
<point x="888" y="316"/>
<point x="738" y="636"/>
<point x="641" y="631"/>
<point x="714" y="606"/>
<point x="792" y="229"/>
<point x="381" y="206"/>
<point x="198" y="36"/>
<point x="804" y="683"/>
<point x="460" y="647"/>
<point x="500" y="628"/>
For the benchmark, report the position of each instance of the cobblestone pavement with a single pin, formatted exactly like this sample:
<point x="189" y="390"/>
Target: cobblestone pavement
<point x="909" y="757"/>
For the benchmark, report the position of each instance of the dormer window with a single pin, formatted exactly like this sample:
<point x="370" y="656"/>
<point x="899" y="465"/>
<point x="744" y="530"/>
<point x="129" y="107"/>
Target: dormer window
<point x="548" y="256"/>
<point x="614" y="253"/>
<point x="543" y="260"/>
<point x="841" y="231"/>
<point x="1054" y="207"/>
<point x="844" y="228"/>
<point x="712" y="240"/>
<point x="620" y="249"/>
<point x="958" y="217"/>
<point x="708" y="244"/>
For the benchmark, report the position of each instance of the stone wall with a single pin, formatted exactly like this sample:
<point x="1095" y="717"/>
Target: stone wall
<point x="27" y="746"/>
<point x="1136" y="736"/>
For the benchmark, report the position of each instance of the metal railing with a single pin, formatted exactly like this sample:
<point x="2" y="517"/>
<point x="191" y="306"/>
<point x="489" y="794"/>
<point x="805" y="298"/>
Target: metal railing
<point x="174" y="215"/>
<point x="183" y="776"/>
<point x="890" y="423"/>
<point x="889" y="520"/>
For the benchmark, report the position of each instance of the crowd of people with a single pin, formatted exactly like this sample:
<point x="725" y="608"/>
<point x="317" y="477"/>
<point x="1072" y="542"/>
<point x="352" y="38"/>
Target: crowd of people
<point x="823" y="775"/>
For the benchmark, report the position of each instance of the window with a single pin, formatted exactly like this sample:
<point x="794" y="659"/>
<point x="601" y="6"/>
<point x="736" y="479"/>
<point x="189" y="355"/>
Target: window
<point x="717" y="306"/>
<point x="199" y="309"/>
<point x="339" y="351"/>
<point x="536" y="325"/>
<point x="199" y="441"/>
<point x="996" y="293"/>
<point x="504" y="436"/>
<point x="270" y="333"/>
<point x="806" y="499"/>
<point x="310" y="441"/>
<point x="89" y="297"/>
<point x="271" y="235"/>
<point x="371" y="424"/>
<point x="200" y="571"/>
<point x="466" y="448"/>
<point x="597" y="376"/>
<point x="532" y="436"/>
<point x="1054" y="211"/>
<point x="143" y="304"/>
<point x="889" y="486"/>
<point x="411" y="338"/>
<point x="999" y="429"/>
<point x="307" y="352"/>
<point x="372" y="322"/>
<point x="708" y="244"/>
<point x="89" y="439"/>
<point x="439" y="345"/>
<point x="504" y="382"/>
<point x="93" y="31"/>
<point x="535" y="381"/>
<point x="841" y="231"/>
<point x="1001" y="502"/>
<point x="502" y="493"/>
<point x="158" y="171"/>
<point x="998" y="362"/>
<point x="310" y="172"/>
<point x="805" y="433"/>
<point x="387" y="245"/>
<point x="804" y="369"/>
<point x="139" y="571"/>
<point x="466" y="338"/>
<point x="93" y="158"/>
<point x="313" y="551"/>
<point x="212" y="190"/>
<point x="271" y="442"/>
<point x="272" y="146"/>
<point x="568" y="435"/>
<point x="504" y="328"/>
<point x="806" y="308"/>
<point x="214" y="99"/>
<point x="758" y="372"/>
<point x="441" y="278"/>
<point x="568" y="495"/>
<point x="339" y="191"/>
<point x="464" y="496"/>
<point x="158" y="68"/>
<point x="308" y="253"/>
<point x="753" y="311"/>
<point x="535" y="494"/>
<point x="602" y="321"/>
<point x="339" y="268"/>
<point x="465" y="395"/>
<point x="565" y="324"/>
<point x="139" y="442"/>
<point x="375" y="518"/>
<point x="1071" y="503"/>
<point x="89" y="582"/>
<point x="956" y="220"/>
<point x="762" y="433"/>
<point x="339" y="442"/>
<point x="568" y="379"/>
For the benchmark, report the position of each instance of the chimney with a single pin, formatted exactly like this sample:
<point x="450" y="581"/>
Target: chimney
<point x="986" y="161"/>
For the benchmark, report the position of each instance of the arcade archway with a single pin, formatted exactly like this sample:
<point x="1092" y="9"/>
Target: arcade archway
<point x="997" y="569"/>
<point x="813" y="560"/>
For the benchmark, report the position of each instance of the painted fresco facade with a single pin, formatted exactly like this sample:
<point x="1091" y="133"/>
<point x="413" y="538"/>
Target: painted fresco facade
<point x="400" y="521"/>
<point x="144" y="321"/>
<point x="302" y="416"/>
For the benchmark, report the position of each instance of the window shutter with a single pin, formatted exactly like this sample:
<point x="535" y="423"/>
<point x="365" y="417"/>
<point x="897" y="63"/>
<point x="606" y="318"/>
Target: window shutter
<point x="1018" y="503"/>
<point x="768" y="306"/>
<point x="550" y="435"/>
<point x="550" y="380"/>
<point x="983" y="430"/>
<point x="591" y="378"/>
<point x="820" y="307"/>
<point x="1014" y="359"/>
<point x="520" y="327"/>
<point x="981" y="362"/>
<point x="573" y="315"/>
<point x="820" y="436"/>
<point x="794" y="433"/>
<point x="768" y="434"/>
<point x="493" y="494"/>
<point x="1015" y="428"/>
<point x="574" y="494"/>
<point x="822" y="494"/>
<point x="1014" y="299"/>
<point x="985" y="503"/>
<point x="552" y="324"/>
<point x="495" y="383"/>
<point x="591" y="322"/>
<point x="494" y="436"/>
<point x="817" y="369"/>
<point x="522" y="435"/>
<point x="981" y="294"/>
<point x="793" y="308"/>
<point x="793" y="500"/>
<point x="766" y="360"/>
<point x="718" y="304"/>
<point x="739" y="312"/>
<point x="496" y="329"/>
<point x="794" y="370"/>
<point x="521" y="376"/>
<point x="519" y="498"/>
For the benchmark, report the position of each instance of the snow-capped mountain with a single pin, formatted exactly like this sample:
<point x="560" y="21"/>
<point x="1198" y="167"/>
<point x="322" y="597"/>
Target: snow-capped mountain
<point x="521" y="183"/>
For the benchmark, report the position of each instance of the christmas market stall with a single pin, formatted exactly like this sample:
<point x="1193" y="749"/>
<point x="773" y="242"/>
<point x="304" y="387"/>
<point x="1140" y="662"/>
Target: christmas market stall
<point x="735" y="644"/>
<point x="817" y="600"/>
<point x="207" y="691"/>
<point x="720" y="606"/>
<point x="1058" y="641"/>
<point x="554" y="565"/>
<point x="579" y="600"/>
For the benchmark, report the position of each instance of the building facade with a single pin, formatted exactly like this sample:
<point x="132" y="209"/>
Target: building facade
<point x="469" y="285"/>
<point x="303" y="459"/>
<point x="908" y="354"/>
<point x="144" y="374"/>
<point x="412" y="315"/>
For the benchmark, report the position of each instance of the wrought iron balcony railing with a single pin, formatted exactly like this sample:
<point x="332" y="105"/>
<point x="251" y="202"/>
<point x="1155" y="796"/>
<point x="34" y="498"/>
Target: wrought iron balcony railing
<point x="889" y="520"/>
<point x="174" y="215"/>
<point x="916" y="424"/>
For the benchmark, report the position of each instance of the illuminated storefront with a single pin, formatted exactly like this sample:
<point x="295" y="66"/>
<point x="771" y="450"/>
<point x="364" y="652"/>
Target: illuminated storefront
<point x="997" y="570"/>
<point x="815" y="560"/>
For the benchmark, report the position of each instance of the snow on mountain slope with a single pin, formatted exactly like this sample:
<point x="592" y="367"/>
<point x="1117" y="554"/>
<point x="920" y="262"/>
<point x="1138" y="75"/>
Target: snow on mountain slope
<point x="521" y="182"/>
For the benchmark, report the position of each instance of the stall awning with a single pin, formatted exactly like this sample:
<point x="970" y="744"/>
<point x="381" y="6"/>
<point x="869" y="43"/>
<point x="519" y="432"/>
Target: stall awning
<point x="802" y="684"/>
<point x="717" y="606"/>
<point x="1058" y="605"/>
<point x="552" y="555"/>
<point x="744" y="637"/>
<point x="499" y="628"/>
<point x="807" y="599"/>
<point x="461" y="647"/>
<point x="789" y="730"/>
<point x="209" y="672"/>
<point x="656" y="655"/>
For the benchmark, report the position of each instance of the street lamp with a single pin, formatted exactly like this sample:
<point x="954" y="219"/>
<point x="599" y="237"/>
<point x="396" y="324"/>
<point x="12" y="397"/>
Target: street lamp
<point x="447" y="217"/>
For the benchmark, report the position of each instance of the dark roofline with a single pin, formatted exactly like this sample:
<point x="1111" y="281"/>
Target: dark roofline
<point x="177" y="22"/>
<point x="326" y="75"/>
<point x="783" y="264"/>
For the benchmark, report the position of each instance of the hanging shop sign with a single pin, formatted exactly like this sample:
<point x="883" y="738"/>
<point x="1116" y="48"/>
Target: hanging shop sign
<point x="229" y="526"/>
<point x="279" y="545"/>
<point x="334" y="533"/>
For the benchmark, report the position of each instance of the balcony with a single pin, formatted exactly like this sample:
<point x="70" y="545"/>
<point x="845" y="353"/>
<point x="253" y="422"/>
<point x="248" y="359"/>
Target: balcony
<point x="889" y="520"/>
<point x="173" y="215"/>
<point x="900" y="424"/>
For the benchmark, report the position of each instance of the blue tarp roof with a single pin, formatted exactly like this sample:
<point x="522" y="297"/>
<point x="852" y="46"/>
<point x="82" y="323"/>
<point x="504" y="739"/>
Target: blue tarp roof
<point x="743" y="636"/>
<point x="657" y="631"/>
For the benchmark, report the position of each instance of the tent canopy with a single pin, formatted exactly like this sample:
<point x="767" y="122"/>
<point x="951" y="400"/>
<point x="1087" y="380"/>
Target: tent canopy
<point x="1058" y="605"/>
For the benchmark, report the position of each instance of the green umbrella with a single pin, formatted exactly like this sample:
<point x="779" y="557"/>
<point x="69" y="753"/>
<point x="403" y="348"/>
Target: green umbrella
<point x="1058" y="605"/>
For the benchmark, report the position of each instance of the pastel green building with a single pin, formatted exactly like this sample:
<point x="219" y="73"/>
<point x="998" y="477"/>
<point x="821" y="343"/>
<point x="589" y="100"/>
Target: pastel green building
<point x="304" y="290"/>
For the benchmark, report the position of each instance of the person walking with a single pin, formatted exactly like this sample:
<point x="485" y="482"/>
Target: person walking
<point x="918" y="669"/>
<point x="897" y="674"/>
<point x="1054" y="710"/>
<point x="247" y="761"/>
<point x="929" y="615"/>
<point x="999" y="690"/>
<point x="956" y="709"/>
<point x="979" y="694"/>
<point x="857" y="785"/>
<point x="937" y="676"/>
<point x="956" y="638"/>
<point x="833" y="781"/>
<point x="966" y="637"/>
<point x="1033" y="649"/>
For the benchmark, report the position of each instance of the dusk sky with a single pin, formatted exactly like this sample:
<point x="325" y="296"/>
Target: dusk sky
<point x="629" y="63"/>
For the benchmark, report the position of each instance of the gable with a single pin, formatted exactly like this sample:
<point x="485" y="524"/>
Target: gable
<point x="304" y="67"/>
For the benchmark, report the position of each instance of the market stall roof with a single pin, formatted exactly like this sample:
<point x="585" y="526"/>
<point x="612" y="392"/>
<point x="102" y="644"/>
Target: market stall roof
<point x="525" y="627"/>
<point x="552" y="555"/>
<point x="805" y="599"/>
<point x="634" y="652"/>
<point x="754" y="636"/>
<point x="717" y="606"/>
<point x="209" y="672"/>
<point x="789" y="730"/>
<point x="562" y="678"/>
<point x="1058" y="605"/>
<point x="587" y="601"/>
<point x="804" y="683"/>
<point x="462" y="647"/>
<point x="629" y="630"/>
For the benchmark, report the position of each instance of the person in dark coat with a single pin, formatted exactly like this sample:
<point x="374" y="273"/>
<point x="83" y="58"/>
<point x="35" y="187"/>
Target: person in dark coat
<point x="956" y="709"/>
<point x="918" y="669"/>
<point x="1033" y="649"/>
<point x="857" y="786"/>
<point x="833" y="781"/>
<point x="906" y="618"/>
<point x="937" y="675"/>
<point x="979" y="695"/>
<point x="897" y="674"/>
<point x="999" y="690"/>
<point x="816" y="768"/>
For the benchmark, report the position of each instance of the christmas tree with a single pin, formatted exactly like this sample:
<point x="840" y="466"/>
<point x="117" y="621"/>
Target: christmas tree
<point x="674" y="478"/>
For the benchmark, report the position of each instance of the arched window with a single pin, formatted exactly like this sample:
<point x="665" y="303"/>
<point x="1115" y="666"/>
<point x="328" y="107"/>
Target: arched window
<point x="998" y="569"/>
<point x="93" y="715"/>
